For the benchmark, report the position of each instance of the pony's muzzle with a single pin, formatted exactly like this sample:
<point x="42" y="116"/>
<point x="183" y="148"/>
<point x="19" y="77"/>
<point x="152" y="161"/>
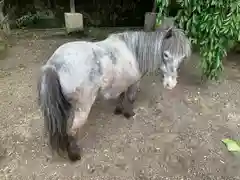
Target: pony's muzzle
<point x="169" y="82"/>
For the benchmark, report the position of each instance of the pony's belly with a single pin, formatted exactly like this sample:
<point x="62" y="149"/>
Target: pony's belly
<point x="113" y="92"/>
<point x="110" y="95"/>
<point x="115" y="89"/>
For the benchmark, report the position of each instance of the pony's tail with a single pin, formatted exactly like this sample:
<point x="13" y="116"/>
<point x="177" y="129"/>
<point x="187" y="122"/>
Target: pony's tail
<point x="55" y="108"/>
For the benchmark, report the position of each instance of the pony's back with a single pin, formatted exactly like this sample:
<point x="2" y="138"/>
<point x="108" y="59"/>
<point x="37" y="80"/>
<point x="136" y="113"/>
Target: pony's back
<point x="74" y="63"/>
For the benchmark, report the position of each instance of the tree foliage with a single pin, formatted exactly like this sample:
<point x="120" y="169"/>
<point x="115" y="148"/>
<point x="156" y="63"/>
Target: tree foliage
<point x="213" y="25"/>
<point x="162" y="10"/>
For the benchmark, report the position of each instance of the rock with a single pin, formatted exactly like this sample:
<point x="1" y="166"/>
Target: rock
<point x="90" y="169"/>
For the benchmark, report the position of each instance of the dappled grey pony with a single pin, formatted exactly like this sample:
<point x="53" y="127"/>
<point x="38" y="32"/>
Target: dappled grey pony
<point x="79" y="71"/>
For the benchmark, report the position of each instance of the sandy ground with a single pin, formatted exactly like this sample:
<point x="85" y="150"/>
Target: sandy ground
<point x="174" y="135"/>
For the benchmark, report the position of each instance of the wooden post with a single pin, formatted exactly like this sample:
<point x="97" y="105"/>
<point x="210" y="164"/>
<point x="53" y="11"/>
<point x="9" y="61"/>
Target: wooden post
<point x="154" y="6"/>
<point x="72" y="6"/>
<point x="150" y="18"/>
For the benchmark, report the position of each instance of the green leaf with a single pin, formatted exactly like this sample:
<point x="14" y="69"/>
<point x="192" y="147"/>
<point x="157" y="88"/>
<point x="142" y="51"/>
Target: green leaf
<point x="232" y="145"/>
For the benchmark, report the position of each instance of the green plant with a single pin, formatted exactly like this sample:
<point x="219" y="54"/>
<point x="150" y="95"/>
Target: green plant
<point x="27" y="19"/>
<point x="213" y="25"/>
<point x="162" y="10"/>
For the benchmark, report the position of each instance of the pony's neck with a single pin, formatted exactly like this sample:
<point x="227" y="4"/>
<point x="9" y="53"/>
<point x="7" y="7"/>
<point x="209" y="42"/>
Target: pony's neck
<point x="146" y="47"/>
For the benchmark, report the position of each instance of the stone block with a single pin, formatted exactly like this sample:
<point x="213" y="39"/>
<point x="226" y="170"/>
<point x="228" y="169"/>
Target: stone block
<point x="149" y="21"/>
<point x="73" y="22"/>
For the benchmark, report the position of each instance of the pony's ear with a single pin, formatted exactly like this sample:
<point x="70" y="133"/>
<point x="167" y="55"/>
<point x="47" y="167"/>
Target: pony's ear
<point x="169" y="33"/>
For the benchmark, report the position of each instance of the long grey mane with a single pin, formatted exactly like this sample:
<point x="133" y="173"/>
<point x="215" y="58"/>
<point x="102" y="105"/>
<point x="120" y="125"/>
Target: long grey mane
<point x="148" y="47"/>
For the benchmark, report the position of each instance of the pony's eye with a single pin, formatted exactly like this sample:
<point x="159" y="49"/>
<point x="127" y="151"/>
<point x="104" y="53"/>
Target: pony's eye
<point x="165" y="55"/>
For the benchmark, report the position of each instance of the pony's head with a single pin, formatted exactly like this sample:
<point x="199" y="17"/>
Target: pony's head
<point x="175" y="48"/>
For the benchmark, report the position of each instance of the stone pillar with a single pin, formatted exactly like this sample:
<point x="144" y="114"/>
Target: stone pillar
<point x="73" y="20"/>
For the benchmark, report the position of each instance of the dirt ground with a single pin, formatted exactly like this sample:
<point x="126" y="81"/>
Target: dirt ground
<point x="174" y="135"/>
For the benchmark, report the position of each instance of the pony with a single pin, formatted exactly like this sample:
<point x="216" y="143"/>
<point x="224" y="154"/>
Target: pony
<point x="77" y="72"/>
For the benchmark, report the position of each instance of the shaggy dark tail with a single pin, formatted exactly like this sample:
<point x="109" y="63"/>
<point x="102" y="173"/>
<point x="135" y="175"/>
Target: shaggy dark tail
<point x="55" y="108"/>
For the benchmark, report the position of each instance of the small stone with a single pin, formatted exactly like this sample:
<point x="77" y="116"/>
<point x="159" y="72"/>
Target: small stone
<point x="120" y="163"/>
<point x="90" y="169"/>
<point x="136" y="158"/>
<point x="105" y="168"/>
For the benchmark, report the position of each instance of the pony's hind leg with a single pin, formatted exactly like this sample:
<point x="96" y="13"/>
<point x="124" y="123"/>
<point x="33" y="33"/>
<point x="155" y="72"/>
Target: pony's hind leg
<point x="82" y="110"/>
<point x="73" y="149"/>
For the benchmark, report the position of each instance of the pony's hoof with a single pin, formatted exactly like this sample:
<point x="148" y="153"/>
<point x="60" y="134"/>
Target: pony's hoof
<point x="73" y="150"/>
<point x="74" y="154"/>
<point x="128" y="115"/>
<point x="118" y="111"/>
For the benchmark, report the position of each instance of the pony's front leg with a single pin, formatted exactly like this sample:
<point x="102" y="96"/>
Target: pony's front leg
<point x="124" y="106"/>
<point x="130" y="98"/>
<point x="126" y="101"/>
<point x="119" y="107"/>
<point x="81" y="113"/>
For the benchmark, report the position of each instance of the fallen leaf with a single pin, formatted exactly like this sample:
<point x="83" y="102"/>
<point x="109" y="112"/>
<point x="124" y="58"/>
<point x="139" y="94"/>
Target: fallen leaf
<point x="233" y="146"/>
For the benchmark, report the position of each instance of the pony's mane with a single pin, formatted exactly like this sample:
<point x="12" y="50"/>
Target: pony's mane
<point x="147" y="47"/>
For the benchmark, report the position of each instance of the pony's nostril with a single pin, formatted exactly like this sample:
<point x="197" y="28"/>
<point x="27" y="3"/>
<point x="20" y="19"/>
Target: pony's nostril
<point x="166" y="85"/>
